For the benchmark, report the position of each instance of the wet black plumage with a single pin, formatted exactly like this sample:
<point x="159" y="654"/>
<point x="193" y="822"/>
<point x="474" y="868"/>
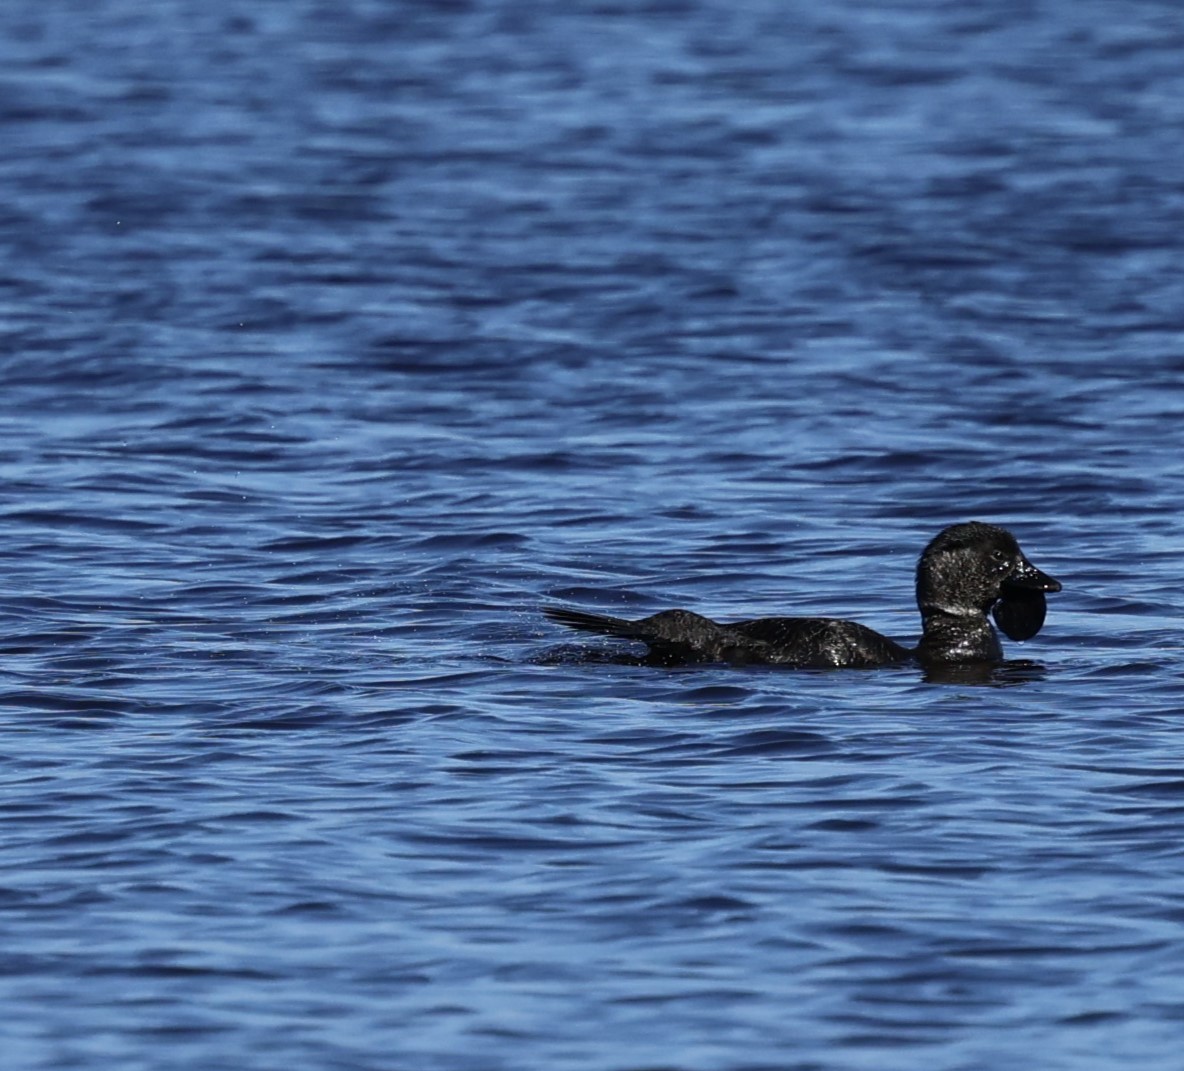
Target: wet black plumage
<point x="967" y="571"/>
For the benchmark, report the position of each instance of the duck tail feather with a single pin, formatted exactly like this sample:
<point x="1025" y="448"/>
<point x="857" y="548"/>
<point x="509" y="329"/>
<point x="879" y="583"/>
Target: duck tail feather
<point x="585" y="622"/>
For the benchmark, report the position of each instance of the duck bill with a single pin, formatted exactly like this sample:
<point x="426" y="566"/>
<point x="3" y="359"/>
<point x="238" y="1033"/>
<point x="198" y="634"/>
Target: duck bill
<point x="1021" y="607"/>
<point x="1026" y="577"/>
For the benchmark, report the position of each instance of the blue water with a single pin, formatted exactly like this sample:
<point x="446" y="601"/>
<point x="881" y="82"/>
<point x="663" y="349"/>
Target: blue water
<point x="336" y="339"/>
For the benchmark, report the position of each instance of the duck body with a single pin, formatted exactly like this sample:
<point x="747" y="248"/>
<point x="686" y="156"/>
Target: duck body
<point x="679" y="636"/>
<point x="967" y="571"/>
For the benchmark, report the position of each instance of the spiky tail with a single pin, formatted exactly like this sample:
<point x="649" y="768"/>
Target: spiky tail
<point x="599" y="623"/>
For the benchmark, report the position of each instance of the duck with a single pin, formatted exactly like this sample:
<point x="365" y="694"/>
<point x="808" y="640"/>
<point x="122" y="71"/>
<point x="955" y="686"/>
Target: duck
<point x="965" y="572"/>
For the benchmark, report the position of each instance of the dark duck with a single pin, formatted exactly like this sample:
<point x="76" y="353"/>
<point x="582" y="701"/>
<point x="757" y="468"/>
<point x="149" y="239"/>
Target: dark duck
<point x="967" y="571"/>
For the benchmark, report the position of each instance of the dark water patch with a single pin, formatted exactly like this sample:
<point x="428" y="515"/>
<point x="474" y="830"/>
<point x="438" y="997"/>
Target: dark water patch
<point x="282" y="722"/>
<point x="1166" y="789"/>
<point x="469" y="540"/>
<point x="777" y="742"/>
<point x="73" y="520"/>
<point x="844" y="825"/>
<point x="318" y="544"/>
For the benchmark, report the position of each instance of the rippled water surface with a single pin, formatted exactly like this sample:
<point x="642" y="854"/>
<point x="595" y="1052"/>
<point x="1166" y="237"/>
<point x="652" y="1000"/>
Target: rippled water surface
<point x="337" y="339"/>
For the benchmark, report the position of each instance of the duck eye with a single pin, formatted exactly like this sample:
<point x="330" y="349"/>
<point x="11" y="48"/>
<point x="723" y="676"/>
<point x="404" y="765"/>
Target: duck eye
<point x="1000" y="557"/>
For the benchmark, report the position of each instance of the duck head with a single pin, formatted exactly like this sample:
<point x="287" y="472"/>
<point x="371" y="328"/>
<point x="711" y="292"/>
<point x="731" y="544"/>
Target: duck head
<point x="972" y="568"/>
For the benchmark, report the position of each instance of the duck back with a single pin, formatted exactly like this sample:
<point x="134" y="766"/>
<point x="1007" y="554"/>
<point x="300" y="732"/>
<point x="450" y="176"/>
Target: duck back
<point x="821" y="643"/>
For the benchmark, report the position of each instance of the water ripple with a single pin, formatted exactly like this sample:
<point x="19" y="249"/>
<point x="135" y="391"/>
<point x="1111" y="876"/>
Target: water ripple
<point x="337" y="340"/>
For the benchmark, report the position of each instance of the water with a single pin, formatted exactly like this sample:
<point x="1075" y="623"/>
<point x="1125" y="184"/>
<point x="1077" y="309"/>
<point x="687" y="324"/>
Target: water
<point x="336" y="339"/>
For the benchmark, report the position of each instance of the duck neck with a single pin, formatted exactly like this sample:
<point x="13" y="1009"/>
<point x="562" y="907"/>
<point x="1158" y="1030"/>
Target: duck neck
<point x="949" y="636"/>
